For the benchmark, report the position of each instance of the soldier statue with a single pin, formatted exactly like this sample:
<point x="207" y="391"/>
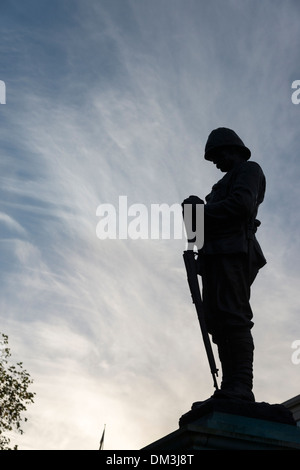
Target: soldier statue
<point x="231" y="258"/>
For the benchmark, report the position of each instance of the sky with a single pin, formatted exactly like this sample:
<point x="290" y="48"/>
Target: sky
<point x="114" y="98"/>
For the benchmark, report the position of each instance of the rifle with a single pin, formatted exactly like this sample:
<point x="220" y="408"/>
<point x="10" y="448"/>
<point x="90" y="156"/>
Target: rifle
<point x="191" y="269"/>
<point x="192" y="277"/>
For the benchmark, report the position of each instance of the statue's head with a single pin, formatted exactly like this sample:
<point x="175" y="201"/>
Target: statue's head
<point x="225" y="139"/>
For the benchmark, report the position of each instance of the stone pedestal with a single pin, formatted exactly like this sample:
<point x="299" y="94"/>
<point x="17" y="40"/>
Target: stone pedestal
<point x="230" y="425"/>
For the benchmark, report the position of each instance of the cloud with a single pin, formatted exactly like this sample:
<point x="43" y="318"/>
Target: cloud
<point x="11" y="224"/>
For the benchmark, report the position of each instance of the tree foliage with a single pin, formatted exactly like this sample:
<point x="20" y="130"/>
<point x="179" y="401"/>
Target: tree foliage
<point x="14" y="394"/>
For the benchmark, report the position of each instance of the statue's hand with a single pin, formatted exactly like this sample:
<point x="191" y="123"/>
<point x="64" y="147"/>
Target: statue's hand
<point x="191" y="222"/>
<point x="192" y="200"/>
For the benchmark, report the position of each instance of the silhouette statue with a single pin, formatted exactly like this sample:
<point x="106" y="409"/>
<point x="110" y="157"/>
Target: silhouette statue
<point x="230" y="259"/>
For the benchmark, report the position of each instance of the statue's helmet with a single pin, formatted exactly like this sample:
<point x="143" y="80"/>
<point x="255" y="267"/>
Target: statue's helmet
<point x="222" y="138"/>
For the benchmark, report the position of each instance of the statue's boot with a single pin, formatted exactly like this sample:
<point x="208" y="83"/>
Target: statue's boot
<point x="236" y="356"/>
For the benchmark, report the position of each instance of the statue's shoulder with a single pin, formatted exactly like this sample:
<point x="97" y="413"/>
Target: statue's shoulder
<point x="251" y="167"/>
<point x="253" y="164"/>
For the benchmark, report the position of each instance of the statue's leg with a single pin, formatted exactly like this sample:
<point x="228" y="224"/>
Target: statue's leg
<point x="236" y="356"/>
<point x="229" y="315"/>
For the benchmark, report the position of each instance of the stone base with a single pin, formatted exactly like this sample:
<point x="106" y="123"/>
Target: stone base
<point x="231" y="425"/>
<point x="264" y="411"/>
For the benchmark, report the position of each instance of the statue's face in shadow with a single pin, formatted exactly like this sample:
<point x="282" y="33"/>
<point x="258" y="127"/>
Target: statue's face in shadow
<point x="226" y="159"/>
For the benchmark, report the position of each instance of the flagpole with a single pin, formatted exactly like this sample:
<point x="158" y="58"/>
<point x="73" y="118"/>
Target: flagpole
<point x="102" y="439"/>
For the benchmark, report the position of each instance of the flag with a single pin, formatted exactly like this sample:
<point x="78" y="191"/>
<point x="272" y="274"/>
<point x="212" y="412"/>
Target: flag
<point x="102" y="439"/>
